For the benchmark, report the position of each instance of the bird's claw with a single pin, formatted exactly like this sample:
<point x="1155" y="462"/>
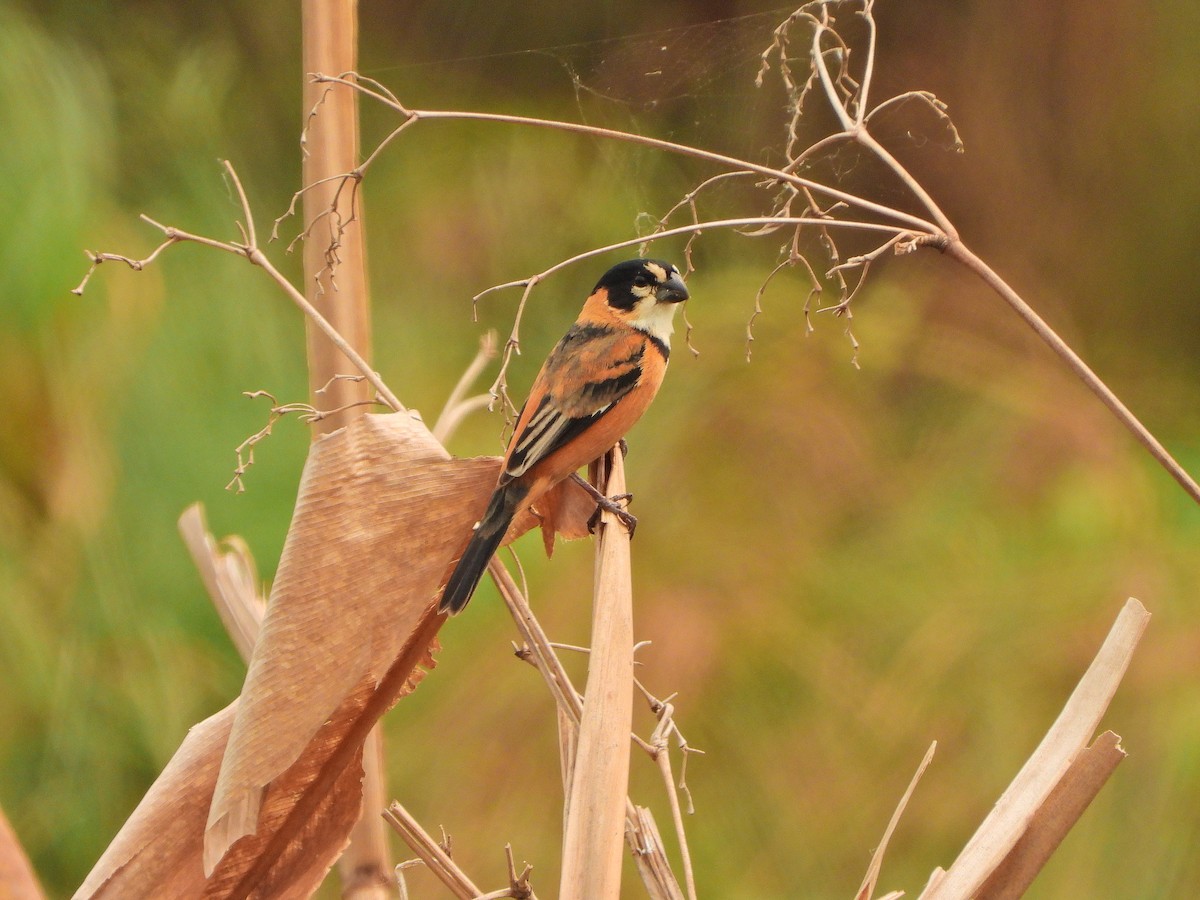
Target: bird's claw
<point x="613" y="505"/>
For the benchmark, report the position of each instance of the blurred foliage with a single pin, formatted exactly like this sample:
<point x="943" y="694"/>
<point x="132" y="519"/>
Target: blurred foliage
<point x="836" y="565"/>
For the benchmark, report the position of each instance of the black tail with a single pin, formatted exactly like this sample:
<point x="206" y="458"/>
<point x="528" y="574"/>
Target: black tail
<point x="489" y="532"/>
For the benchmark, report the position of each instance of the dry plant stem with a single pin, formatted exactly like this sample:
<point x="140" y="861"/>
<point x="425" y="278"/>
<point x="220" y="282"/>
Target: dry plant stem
<point x="1067" y="737"/>
<point x="907" y="219"/>
<point x="1089" y="772"/>
<point x="330" y="41"/>
<point x="867" y="889"/>
<point x="258" y="258"/>
<point x="963" y="255"/>
<point x="650" y="856"/>
<point x="430" y="852"/>
<point x="855" y="127"/>
<point x="662" y="756"/>
<point x="365" y="865"/>
<point x="458" y="405"/>
<point x="659" y="750"/>
<point x="597" y="802"/>
<point x="539" y="651"/>
<point x="543" y="655"/>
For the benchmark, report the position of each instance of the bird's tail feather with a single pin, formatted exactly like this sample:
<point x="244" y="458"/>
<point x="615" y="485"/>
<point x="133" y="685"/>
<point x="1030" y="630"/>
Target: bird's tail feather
<point x="488" y="534"/>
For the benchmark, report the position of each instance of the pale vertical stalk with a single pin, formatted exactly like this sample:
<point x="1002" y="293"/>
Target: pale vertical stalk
<point x="335" y="282"/>
<point x="365" y="866"/>
<point x="596" y="810"/>
<point x="335" y="269"/>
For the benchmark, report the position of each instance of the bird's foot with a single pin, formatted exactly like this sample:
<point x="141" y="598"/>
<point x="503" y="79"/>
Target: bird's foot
<point x="613" y="505"/>
<point x="607" y="504"/>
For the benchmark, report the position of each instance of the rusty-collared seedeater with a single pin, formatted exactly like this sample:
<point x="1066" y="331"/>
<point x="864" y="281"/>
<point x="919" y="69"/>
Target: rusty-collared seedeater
<point x="591" y="389"/>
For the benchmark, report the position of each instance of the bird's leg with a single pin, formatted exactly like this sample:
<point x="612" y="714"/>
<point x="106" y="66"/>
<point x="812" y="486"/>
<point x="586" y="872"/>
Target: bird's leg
<point x="611" y="504"/>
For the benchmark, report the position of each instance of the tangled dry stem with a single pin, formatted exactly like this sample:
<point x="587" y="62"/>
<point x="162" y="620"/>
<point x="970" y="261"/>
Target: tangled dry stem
<point x="830" y="73"/>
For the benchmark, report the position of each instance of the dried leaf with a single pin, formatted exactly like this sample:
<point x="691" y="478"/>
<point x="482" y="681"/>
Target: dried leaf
<point x="1088" y="773"/>
<point x="1049" y="763"/>
<point x="382" y="512"/>
<point x="293" y="848"/>
<point x="158" y="848"/>
<point x="229" y="576"/>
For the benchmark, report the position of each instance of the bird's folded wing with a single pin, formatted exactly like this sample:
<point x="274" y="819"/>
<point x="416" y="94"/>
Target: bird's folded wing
<point x="583" y="379"/>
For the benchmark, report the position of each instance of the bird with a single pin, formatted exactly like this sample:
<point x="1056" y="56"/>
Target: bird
<point x="594" y="385"/>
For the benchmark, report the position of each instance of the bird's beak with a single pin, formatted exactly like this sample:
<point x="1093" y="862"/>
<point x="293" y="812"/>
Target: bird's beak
<point x="672" y="291"/>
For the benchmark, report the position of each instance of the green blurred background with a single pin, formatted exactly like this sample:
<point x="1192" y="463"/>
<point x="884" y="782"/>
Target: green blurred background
<point x="836" y="565"/>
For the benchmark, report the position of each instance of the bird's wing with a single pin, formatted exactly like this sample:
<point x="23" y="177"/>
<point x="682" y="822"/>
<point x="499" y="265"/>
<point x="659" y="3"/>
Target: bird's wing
<point x="586" y="375"/>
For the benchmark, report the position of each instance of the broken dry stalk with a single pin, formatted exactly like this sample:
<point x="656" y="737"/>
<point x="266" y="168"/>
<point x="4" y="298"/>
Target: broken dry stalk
<point x="430" y="852"/>
<point x="1049" y="764"/>
<point x="867" y="889"/>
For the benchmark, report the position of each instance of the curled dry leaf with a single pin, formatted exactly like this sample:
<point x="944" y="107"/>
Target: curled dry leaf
<point x="158" y="851"/>
<point x="382" y="511"/>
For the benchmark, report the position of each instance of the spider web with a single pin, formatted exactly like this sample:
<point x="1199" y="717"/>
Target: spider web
<point x="691" y="80"/>
<point x="691" y="83"/>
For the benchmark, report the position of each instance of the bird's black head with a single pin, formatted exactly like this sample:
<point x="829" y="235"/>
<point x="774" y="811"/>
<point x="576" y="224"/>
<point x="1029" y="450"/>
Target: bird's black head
<point x="635" y="280"/>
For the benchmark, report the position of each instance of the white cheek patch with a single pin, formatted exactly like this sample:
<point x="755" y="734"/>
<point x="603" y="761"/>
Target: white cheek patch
<point x="659" y="273"/>
<point x="656" y="319"/>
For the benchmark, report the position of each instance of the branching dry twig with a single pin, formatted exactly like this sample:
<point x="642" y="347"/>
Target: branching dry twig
<point x="437" y="856"/>
<point x="660" y="750"/>
<point x="848" y="95"/>
<point x="307" y="413"/>
<point x="430" y="852"/>
<point x="250" y="250"/>
<point x="498" y="389"/>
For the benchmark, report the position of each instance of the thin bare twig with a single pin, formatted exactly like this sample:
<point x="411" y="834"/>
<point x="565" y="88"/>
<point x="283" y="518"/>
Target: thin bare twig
<point x="900" y="217"/>
<point x="498" y="389"/>
<point x="430" y="852"/>
<point x="962" y="254"/>
<point x="458" y="405"/>
<point x="660" y="742"/>
<point x="307" y="413"/>
<point x="251" y="252"/>
<point x="867" y="889"/>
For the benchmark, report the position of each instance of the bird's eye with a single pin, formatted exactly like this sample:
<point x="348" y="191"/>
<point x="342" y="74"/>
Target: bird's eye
<point x="640" y="281"/>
